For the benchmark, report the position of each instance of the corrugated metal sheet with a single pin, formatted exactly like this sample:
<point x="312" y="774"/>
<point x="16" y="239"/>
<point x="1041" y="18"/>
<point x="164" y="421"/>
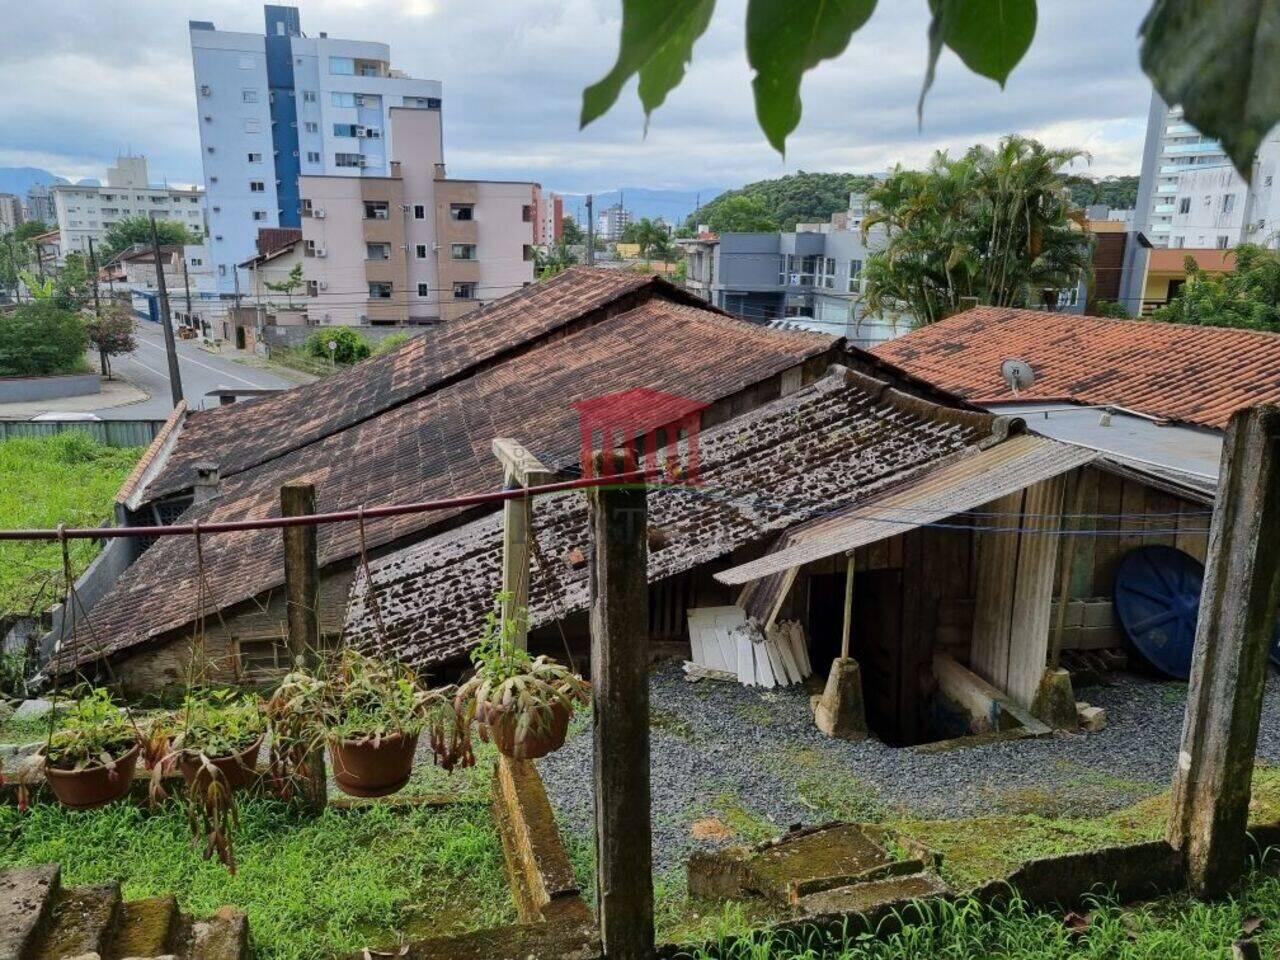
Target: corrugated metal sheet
<point x="114" y="433"/>
<point x="939" y="492"/>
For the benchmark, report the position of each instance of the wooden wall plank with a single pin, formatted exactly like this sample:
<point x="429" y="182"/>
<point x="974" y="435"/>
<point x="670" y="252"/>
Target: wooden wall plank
<point x="1106" y="547"/>
<point x="1033" y="591"/>
<point x="997" y="561"/>
<point x="1082" y="567"/>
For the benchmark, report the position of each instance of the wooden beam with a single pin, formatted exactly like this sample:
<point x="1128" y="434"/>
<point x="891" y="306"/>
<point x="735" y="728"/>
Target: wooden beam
<point x="847" y="628"/>
<point x="620" y="697"/>
<point x="520" y="469"/>
<point x="302" y="603"/>
<point x="1033" y="590"/>
<point x="1212" y="782"/>
<point x="1066" y="561"/>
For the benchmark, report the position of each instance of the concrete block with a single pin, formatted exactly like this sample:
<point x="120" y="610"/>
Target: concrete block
<point x="26" y="898"/>
<point x="1054" y="702"/>
<point x="224" y="936"/>
<point x="1092" y="719"/>
<point x="32" y="710"/>
<point x="840" y="713"/>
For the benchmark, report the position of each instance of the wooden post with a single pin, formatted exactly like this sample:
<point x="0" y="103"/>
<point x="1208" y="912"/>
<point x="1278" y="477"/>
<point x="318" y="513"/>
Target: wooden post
<point x="620" y="697"/>
<point x="848" y="608"/>
<point x="1211" y="786"/>
<point x="520" y="469"/>
<point x="302" y="602"/>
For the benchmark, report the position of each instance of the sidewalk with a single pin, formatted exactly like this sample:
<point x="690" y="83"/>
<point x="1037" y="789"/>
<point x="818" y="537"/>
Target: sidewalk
<point x="115" y="393"/>
<point x="250" y="359"/>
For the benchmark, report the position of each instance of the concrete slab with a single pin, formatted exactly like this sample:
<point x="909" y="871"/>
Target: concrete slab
<point x="26" y="896"/>
<point x="864" y="897"/>
<point x="824" y="856"/>
<point x="82" y="922"/>
<point x="224" y="936"/>
<point x="146" y="928"/>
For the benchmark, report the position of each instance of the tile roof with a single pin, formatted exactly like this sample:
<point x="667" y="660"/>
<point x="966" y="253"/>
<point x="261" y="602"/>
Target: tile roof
<point x="439" y="445"/>
<point x="244" y="435"/>
<point x="836" y="442"/>
<point x="1187" y="374"/>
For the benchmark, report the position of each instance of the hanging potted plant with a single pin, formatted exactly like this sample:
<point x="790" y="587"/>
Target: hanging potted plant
<point x="520" y="702"/>
<point x="92" y="751"/>
<point x="371" y="712"/>
<point x="215" y="735"/>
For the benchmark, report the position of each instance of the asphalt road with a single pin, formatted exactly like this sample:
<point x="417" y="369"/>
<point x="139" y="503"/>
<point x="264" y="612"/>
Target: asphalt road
<point x="200" y="371"/>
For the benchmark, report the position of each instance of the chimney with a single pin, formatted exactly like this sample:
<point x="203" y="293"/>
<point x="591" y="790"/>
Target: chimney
<point x="208" y="483"/>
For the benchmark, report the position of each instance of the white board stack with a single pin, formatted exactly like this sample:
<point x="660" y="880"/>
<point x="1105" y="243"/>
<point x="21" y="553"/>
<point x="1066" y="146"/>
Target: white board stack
<point x="726" y="645"/>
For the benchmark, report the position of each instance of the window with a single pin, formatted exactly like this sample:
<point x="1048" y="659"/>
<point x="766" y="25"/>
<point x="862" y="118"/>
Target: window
<point x="420" y="251"/>
<point x="222" y="269"/>
<point x="260" y="216"/>
<point x="343" y="66"/>
<point x="462" y="211"/>
<point x="1228" y="202"/>
<point x="376" y="210"/>
<point x="313" y="288"/>
<point x="255" y="158"/>
<point x="308" y="96"/>
<point x="828" y="277"/>
<point x="305" y="207"/>
<point x="464" y="291"/>
<point x="342" y="99"/>
<point x="348" y="160"/>
<point x="424" y="290"/>
<point x="463" y="251"/>
<point x="526" y="213"/>
<point x="1178" y="242"/>
<point x="528" y="252"/>
<point x="260" y="658"/>
<point x="308" y="248"/>
<point x="377" y="251"/>
<point x="313" y="156"/>
<point x="311" y="127"/>
<point x="419" y="212"/>
<point x="253" y="126"/>
<point x="196" y="261"/>
<point x="257" y="186"/>
<point x="1184" y="205"/>
<point x="380" y="290"/>
<point x="1223" y="241"/>
<point x="855" y="276"/>
<point x="249" y="96"/>
<point x="1266" y="181"/>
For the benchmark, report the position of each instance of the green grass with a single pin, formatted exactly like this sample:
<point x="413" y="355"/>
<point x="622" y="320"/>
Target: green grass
<point x="68" y="478"/>
<point x="1176" y="928"/>
<point x="311" y="887"/>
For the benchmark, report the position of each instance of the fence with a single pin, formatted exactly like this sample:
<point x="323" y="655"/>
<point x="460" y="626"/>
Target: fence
<point x="114" y="433"/>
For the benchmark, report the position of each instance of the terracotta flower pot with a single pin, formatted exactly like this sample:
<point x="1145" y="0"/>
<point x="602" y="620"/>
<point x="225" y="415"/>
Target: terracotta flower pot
<point x="95" y="786"/>
<point x="365" y="769"/>
<point x="538" y="740"/>
<point x="237" y="769"/>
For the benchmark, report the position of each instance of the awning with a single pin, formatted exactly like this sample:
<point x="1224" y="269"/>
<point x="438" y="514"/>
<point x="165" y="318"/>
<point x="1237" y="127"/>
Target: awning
<point x="945" y="490"/>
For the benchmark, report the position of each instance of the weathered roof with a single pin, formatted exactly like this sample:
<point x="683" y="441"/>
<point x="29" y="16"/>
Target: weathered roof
<point x="438" y="445"/>
<point x="1175" y="372"/>
<point x="1174" y="259"/>
<point x="969" y="480"/>
<point x="244" y="435"/>
<point x="835" y="442"/>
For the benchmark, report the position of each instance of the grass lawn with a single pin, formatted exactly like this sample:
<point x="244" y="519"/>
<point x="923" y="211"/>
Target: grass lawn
<point x="68" y="478"/>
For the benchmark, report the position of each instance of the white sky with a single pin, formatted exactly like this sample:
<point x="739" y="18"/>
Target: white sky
<point x="81" y="80"/>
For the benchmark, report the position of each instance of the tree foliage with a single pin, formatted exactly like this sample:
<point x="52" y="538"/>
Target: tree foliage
<point x="572" y="233"/>
<point x="349" y="346"/>
<point x="785" y="201"/>
<point x="29" y="229"/>
<point x="1220" y="59"/>
<point x="1118" y="193"/>
<point x="993" y="227"/>
<point x="653" y="239"/>
<point x="553" y="260"/>
<point x="289" y="284"/>
<point x="1247" y="296"/>
<point x="39" y="339"/>
<point x="111" y="334"/>
<point x="126" y="232"/>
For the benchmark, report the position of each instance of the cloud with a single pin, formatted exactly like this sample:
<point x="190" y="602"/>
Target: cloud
<point x="83" y="86"/>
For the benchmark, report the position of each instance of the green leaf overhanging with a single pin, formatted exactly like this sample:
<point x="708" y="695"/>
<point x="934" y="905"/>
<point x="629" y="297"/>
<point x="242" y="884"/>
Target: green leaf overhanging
<point x="990" y="36"/>
<point x="1219" y="59"/>
<point x="657" y="43"/>
<point x="785" y="39"/>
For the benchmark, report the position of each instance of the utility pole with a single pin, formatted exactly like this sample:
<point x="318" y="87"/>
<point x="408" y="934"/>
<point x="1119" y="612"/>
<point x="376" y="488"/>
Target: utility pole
<point x="591" y="233"/>
<point x="170" y="348"/>
<point x="97" y="304"/>
<point x="186" y="283"/>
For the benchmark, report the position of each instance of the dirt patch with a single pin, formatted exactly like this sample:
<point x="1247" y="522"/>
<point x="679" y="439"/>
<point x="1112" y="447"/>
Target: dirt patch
<point x="711" y="828"/>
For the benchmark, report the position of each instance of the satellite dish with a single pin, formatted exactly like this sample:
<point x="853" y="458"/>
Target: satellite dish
<point x="1017" y="375"/>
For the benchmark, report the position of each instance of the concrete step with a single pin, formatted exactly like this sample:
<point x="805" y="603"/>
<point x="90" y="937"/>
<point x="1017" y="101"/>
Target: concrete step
<point x="26" y="900"/>
<point x="869" y="895"/>
<point x="224" y="936"/>
<point x="82" y="922"/>
<point x="147" y="928"/>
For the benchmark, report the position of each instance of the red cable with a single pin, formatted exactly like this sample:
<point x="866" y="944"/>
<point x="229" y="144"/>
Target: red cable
<point x="315" y="519"/>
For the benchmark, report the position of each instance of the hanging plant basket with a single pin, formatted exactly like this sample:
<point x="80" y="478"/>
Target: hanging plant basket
<point x="94" y="786"/>
<point x="545" y="733"/>
<point x="237" y="769"/>
<point x="373" y="767"/>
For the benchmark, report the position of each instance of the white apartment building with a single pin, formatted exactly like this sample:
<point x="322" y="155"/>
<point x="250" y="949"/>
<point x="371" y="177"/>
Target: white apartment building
<point x="413" y="246"/>
<point x="613" y="222"/>
<point x="277" y="106"/>
<point x="87" y="212"/>
<point x="10" y="212"/>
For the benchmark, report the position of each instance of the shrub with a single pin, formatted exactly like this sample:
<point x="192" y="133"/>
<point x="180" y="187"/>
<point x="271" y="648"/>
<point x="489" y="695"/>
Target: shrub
<point x="391" y="344"/>
<point x="39" y="339"/>
<point x="351" y="347"/>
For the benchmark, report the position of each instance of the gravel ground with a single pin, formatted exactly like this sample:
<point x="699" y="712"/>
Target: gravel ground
<point x="753" y="760"/>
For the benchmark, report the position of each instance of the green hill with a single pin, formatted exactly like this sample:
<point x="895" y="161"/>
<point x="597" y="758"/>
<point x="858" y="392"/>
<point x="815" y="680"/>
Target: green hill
<point x="781" y="203"/>
<point x="1119" y="193"/>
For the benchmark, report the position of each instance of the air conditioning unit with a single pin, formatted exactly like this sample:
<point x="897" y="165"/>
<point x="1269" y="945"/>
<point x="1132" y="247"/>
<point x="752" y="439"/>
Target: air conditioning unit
<point x="321" y="252"/>
<point x="404" y="208"/>
<point x="323" y="284"/>
<point x="364" y="318"/>
<point x="318" y="213"/>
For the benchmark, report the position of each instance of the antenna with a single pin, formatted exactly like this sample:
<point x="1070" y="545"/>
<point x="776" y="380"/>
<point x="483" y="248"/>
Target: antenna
<point x="1017" y="375"/>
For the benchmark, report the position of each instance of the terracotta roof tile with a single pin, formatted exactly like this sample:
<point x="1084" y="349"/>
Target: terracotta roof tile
<point x="1188" y="374"/>
<point x="438" y="445"/>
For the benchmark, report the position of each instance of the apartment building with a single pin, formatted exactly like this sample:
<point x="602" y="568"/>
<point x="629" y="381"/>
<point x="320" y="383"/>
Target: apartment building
<point x="276" y="106"/>
<point x="413" y="246"/>
<point x="40" y="203"/>
<point x="548" y="224"/>
<point x="85" y="212"/>
<point x="613" y="222"/>
<point x="10" y="212"/>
